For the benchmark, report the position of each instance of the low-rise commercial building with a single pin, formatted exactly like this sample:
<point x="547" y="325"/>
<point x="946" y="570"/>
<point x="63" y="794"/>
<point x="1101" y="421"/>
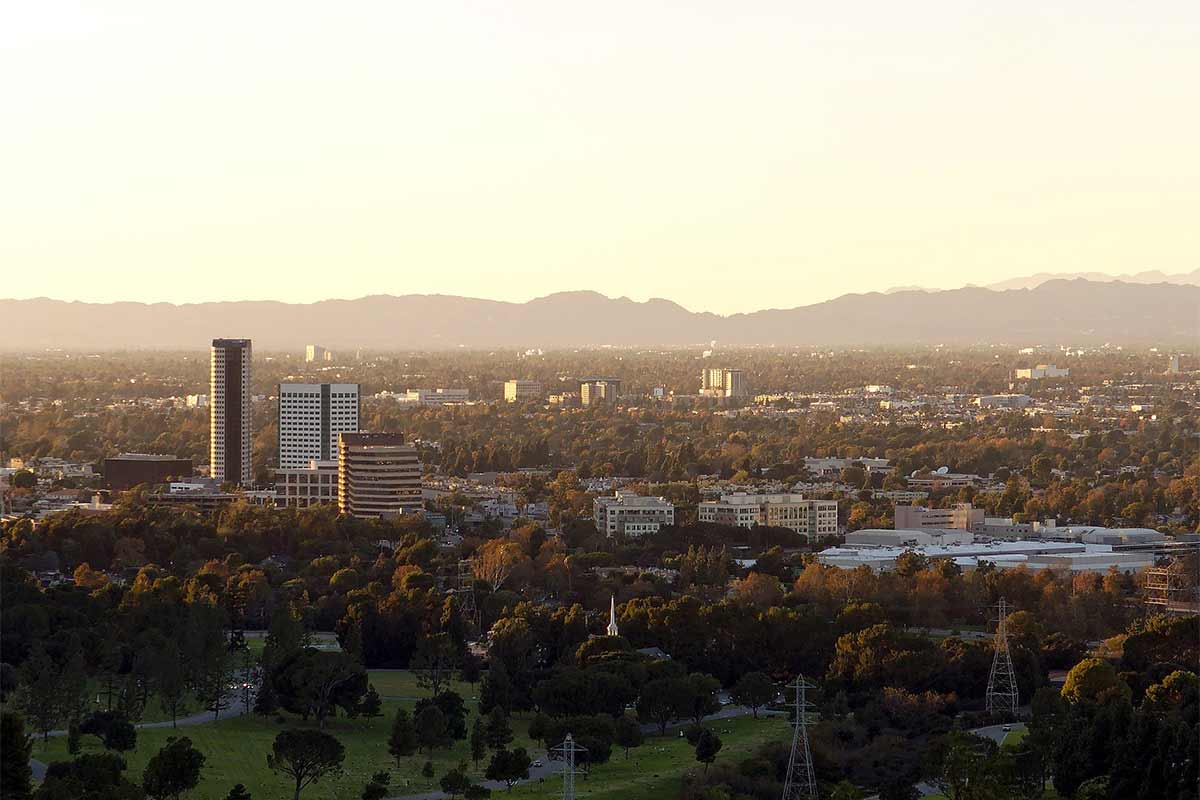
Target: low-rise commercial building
<point x="131" y="469"/>
<point x="517" y="390"/>
<point x="960" y="516"/>
<point x="305" y="486"/>
<point x="811" y="518"/>
<point x="630" y="514"/>
<point x="1032" y="554"/>
<point x="1041" y="371"/>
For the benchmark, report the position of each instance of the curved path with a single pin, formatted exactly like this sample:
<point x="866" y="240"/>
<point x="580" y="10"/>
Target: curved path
<point x="235" y="710"/>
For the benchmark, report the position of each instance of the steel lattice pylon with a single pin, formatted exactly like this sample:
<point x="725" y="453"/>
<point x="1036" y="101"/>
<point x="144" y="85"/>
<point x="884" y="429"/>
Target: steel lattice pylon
<point x="567" y="750"/>
<point x="1002" y="694"/>
<point x="800" y="783"/>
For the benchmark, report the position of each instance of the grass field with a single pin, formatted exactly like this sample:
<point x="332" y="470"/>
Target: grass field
<point x="236" y="751"/>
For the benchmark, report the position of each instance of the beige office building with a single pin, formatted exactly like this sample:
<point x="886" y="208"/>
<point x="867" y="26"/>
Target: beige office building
<point x="718" y="382"/>
<point x="961" y="516"/>
<point x="516" y="390"/>
<point x="379" y="475"/>
<point x="812" y="518"/>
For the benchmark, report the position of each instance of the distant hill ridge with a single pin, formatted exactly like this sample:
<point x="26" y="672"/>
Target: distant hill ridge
<point x="1056" y="311"/>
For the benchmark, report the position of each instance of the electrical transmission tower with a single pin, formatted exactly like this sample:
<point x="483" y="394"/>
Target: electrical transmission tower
<point x="464" y="588"/>
<point x="568" y="749"/>
<point x="1002" y="681"/>
<point x="800" y="783"/>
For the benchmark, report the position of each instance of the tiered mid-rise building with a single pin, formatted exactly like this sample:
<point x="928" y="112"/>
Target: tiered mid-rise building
<point x="379" y="475"/>
<point x="311" y="418"/>
<point x="230" y="438"/>
<point x="518" y="390"/>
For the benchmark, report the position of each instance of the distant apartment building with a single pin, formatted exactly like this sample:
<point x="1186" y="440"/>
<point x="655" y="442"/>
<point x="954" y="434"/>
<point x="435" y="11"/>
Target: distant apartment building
<point x="720" y="382"/>
<point x="812" y="518"/>
<point x="1041" y="371"/>
<point x="131" y="469"/>
<point x="961" y="516"/>
<point x="599" y="391"/>
<point x="379" y="475"/>
<point x="230" y="438"/>
<point x="518" y="390"/>
<point x="196" y="401"/>
<point x="314" y="353"/>
<point x="317" y="482"/>
<point x="593" y="391"/>
<point x="311" y="418"/>
<point x="630" y="514"/>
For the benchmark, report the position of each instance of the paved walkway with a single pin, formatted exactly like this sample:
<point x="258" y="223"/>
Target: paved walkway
<point x="236" y="709"/>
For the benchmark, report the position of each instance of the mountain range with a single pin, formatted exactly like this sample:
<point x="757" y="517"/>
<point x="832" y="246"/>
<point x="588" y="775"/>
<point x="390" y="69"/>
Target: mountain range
<point x="1077" y="311"/>
<point x="1033" y="281"/>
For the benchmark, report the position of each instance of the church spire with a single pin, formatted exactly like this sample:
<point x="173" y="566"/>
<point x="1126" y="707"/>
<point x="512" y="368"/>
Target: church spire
<point x="612" y="618"/>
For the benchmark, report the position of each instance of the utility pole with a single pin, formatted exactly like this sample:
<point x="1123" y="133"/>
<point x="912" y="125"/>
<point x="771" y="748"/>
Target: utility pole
<point x="1002" y="692"/>
<point x="800" y="784"/>
<point x="568" y="749"/>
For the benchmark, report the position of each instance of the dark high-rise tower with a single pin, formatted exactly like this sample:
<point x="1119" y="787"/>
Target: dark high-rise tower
<point x="230" y="439"/>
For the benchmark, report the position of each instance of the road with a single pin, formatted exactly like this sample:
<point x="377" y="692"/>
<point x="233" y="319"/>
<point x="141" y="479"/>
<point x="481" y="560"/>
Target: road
<point x="236" y="709"/>
<point x="997" y="733"/>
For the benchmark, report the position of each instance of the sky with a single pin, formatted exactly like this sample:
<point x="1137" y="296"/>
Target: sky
<point x="728" y="156"/>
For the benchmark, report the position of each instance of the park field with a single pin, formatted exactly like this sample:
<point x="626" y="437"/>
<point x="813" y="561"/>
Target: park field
<point x="236" y="752"/>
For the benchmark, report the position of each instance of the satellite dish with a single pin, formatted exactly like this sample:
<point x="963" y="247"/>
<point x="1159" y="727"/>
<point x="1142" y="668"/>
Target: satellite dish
<point x="943" y="470"/>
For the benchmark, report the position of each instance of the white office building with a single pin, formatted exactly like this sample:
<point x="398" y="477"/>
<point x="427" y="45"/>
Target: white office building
<point x="305" y="486"/>
<point x="812" y="518"/>
<point x="311" y="417"/>
<point x="630" y="514"/>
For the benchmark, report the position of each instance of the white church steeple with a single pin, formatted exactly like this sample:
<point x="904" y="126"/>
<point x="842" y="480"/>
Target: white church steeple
<point x="612" y="618"/>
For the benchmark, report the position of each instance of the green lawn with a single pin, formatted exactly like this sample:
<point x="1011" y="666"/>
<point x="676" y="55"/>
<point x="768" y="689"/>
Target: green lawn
<point x="655" y="770"/>
<point x="236" y="752"/>
<point x="1014" y="738"/>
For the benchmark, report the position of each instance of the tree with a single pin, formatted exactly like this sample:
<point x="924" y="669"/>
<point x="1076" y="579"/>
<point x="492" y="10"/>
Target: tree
<point x="266" y="702"/>
<point x="431" y="728"/>
<point x="40" y="698"/>
<point x="377" y="787"/>
<point x="238" y="792"/>
<point x="478" y="743"/>
<point x="628" y="733"/>
<point x="23" y="479"/>
<point x="496" y="560"/>
<point x="434" y="662"/>
<point x="171" y="680"/>
<point x="754" y="690"/>
<point x="508" y="766"/>
<point x="16" y="776"/>
<point x="316" y="683"/>
<point x="371" y="706"/>
<point x="211" y="678"/>
<point x="112" y="728"/>
<point x="455" y="782"/>
<point x="701" y="693"/>
<point x="452" y="707"/>
<point x="173" y="771"/>
<point x="305" y="756"/>
<point x="1095" y="681"/>
<point x="663" y="700"/>
<point x="497" y="731"/>
<point x="708" y="744"/>
<point x="402" y="741"/>
<point x="93" y="776"/>
<point x="427" y="769"/>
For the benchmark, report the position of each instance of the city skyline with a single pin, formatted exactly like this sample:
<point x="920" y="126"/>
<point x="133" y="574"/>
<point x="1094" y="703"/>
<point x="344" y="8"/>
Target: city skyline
<point x="509" y="153"/>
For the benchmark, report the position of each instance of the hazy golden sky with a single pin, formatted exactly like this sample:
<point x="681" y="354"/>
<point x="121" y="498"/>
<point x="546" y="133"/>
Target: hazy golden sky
<point x="727" y="155"/>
